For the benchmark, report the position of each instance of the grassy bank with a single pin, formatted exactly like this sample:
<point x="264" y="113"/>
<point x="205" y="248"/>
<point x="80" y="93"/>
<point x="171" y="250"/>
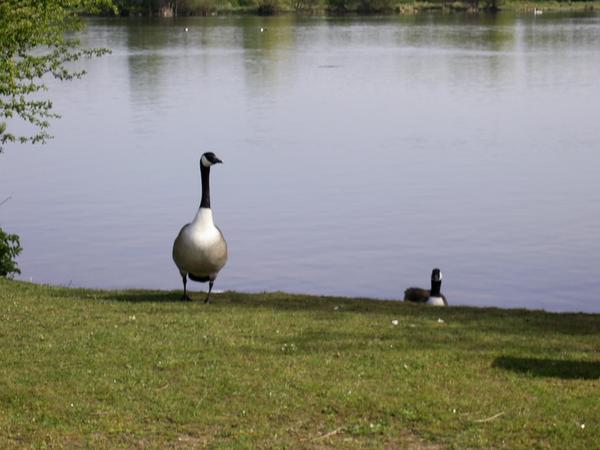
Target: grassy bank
<point x="109" y="369"/>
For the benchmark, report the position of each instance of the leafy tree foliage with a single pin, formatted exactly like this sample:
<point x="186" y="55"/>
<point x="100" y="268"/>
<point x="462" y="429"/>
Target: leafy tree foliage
<point x="35" y="43"/>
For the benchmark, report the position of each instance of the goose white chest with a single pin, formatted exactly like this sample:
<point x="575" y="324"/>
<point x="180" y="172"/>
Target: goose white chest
<point x="202" y="232"/>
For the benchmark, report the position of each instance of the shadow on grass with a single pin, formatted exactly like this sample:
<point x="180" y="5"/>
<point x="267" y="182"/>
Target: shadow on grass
<point x="550" y="368"/>
<point x="130" y="296"/>
<point x="268" y="300"/>
<point x="133" y="296"/>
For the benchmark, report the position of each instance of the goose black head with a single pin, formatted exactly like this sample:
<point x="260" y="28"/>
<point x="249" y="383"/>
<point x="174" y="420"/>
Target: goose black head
<point x="208" y="159"/>
<point x="436" y="275"/>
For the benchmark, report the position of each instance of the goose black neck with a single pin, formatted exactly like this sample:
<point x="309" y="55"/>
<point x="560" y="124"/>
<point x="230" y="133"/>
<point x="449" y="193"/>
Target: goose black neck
<point x="205" y="175"/>
<point x="436" y="287"/>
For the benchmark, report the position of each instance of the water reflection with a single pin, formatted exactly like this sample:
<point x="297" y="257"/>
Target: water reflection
<point x="359" y="154"/>
<point x="268" y="52"/>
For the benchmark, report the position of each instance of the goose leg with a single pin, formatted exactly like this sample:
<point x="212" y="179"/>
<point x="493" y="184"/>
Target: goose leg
<point x="210" y="285"/>
<point x="185" y="297"/>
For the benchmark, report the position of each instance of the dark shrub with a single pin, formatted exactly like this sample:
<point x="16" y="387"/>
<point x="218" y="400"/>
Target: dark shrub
<point x="10" y="247"/>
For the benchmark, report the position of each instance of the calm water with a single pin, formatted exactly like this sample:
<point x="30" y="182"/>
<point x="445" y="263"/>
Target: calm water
<point x="359" y="154"/>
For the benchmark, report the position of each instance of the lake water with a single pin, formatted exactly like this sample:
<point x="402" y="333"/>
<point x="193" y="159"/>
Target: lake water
<point x="358" y="155"/>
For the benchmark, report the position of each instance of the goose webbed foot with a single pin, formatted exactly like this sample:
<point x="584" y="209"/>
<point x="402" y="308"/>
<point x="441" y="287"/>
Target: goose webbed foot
<point x="185" y="298"/>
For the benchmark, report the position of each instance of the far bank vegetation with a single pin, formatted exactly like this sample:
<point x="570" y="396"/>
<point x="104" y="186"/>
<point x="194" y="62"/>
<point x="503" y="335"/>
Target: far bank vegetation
<point x="174" y="8"/>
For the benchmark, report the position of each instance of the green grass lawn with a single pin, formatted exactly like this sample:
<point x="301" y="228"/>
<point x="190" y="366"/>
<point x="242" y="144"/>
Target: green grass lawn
<point x="127" y="369"/>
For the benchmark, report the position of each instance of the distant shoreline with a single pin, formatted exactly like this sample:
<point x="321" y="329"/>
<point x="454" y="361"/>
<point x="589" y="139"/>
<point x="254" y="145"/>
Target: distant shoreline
<point x="359" y="8"/>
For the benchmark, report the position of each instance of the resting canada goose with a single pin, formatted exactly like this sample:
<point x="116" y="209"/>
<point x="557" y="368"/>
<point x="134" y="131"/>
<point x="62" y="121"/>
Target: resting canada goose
<point x="431" y="297"/>
<point x="200" y="250"/>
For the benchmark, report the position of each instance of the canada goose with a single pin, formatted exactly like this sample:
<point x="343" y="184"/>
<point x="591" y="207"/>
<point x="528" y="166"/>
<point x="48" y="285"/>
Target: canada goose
<point x="431" y="297"/>
<point x="200" y="250"/>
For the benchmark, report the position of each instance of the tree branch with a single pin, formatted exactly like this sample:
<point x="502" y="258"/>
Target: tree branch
<point x="5" y="200"/>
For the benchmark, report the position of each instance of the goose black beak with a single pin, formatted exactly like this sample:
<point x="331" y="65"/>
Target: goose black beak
<point x="217" y="161"/>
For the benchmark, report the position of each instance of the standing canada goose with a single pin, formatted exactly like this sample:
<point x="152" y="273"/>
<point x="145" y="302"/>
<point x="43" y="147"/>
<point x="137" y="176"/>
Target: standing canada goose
<point x="200" y="250"/>
<point x="431" y="297"/>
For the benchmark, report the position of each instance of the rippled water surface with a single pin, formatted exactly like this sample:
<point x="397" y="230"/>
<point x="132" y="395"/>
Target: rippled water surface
<point x="359" y="154"/>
